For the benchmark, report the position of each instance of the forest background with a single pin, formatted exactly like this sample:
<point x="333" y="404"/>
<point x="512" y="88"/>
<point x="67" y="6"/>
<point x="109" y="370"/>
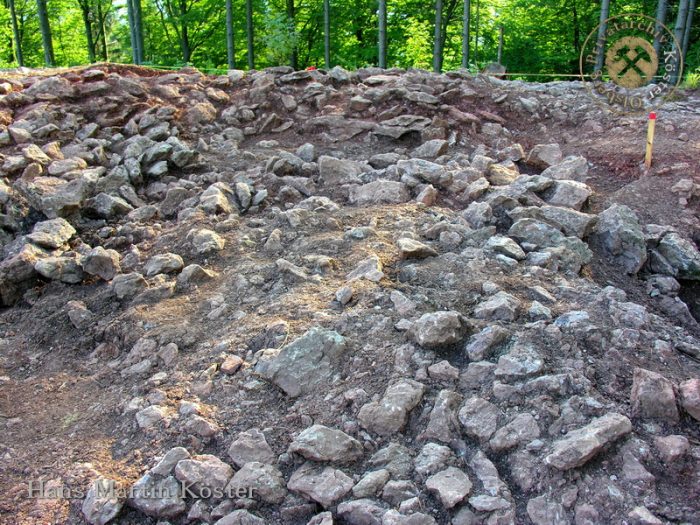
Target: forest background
<point x="542" y="39"/>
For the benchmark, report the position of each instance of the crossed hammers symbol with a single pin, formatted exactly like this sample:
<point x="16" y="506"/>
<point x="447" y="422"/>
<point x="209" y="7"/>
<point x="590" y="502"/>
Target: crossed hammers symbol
<point x="641" y="54"/>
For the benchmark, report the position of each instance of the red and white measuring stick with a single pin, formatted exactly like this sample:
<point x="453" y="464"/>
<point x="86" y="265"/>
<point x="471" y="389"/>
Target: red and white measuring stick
<point x="650" y="139"/>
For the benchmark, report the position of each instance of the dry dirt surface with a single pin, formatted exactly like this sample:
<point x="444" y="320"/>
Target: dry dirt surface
<point x="374" y="297"/>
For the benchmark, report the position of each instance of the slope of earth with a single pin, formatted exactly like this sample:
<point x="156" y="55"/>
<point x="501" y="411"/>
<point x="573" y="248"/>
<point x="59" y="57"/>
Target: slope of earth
<point x="379" y="297"/>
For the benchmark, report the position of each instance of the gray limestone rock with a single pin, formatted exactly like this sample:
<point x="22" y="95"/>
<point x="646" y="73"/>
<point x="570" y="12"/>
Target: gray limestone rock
<point x="482" y="344"/>
<point x="451" y="486"/>
<point x="52" y="233"/>
<point x="412" y="249"/>
<point x="619" y="233"/>
<point x="653" y="397"/>
<point x="479" y="418"/>
<point x="361" y="512"/>
<point x="389" y="415"/>
<point x="682" y="255"/>
<point x="64" y="269"/>
<point x="324" y="485"/>
<point x="320" y="443"/>
<point x="371" y="483"/>
<point x="164" y="263"/>
<point x="98" y="507"/>
<point x="501" y="307"/>
<point x="203" y="474"/>
<point x="240" y="517"/>
<point x="303" y="364"/>
<point x="580" y="445"/>
<point x="102" y="263"/>
<point x="545" y="155"/>
<point x="543" y="511"/>
<point x="443" y="424"/>
<point x="335" y="172"/>
<point x="261" y="481"/>
<point x="438" y="329"/>
<point x="160" y="497"/>
<point x="251" y="445"/>
<point x="128" y="285"/>
<point x="520" y="430"/>
<point x="379" y="192"/>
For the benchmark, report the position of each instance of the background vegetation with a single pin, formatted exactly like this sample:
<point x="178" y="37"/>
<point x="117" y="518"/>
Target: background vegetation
<point x="540" y="36"/>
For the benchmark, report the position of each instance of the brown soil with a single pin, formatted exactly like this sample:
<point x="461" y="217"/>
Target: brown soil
<point x="60" y="406"/>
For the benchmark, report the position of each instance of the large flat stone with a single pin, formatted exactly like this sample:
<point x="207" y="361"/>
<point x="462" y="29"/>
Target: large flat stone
<point x="321" y="443"/>
<point x="582" y="444"/>
<point x="324" y="485"/>
<point x="302" y="365"/>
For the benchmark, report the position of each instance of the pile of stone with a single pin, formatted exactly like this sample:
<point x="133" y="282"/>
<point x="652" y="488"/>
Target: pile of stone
<point x="459" y="369"/>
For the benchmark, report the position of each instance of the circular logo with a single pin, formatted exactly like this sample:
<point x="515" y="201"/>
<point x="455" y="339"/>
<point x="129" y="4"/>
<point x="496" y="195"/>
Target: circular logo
<point x="631" y="63"/>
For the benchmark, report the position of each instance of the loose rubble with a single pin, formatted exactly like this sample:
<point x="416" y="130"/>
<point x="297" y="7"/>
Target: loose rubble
<point x="340" y="297"/>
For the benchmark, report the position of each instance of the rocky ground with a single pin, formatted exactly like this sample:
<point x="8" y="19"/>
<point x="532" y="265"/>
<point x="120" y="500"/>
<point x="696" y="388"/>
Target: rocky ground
<point x="379" y="297"/>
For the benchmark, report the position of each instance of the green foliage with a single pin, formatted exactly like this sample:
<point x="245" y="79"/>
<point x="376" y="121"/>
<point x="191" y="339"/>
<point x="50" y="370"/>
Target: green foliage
<point x="547" y="36"/>
<point x="418" y="49"/>
<point x="7" y="56"/>
<point x="541" y="36"/>
<point x="693" y="58"/>
<point x="29" y="34"/>
<point x="280" y="38"/>
<point x="69" y="41"/>
<point x="692" y="80"/>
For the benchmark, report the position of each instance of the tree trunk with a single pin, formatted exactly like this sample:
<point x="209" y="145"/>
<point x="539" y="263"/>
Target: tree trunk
<point x="688" y="28"/>
<point x="437" y="48"/>
<point x="448" y="11"/>
<point x="15" y="31"/>
<point x="575" y="66"/>
<point x="500" y="44"/>
<point x="250" y="33"/>
<point x="681" y="20"/>
<point x="577" y="30"/>
<point x="476" y="40"/>
<point x="85" y="9"/>
<point x="327" y="33"/>
<point x="138" y="21"/>
<point x="185" y="43"/>
<point x="382" y="34"/>
<point x="132" y="31"/>
<point x="43" y="15"/>
<point x="103" y="31"/>
<point x="294" y="58"/>
<point x="184" y="33"/>
<point x="230" y="50"/>
<point x="661" y="10"/>
<point x="466" y="19"/>
<point x="600" y="43"/>
<point x="679" y="33"/>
